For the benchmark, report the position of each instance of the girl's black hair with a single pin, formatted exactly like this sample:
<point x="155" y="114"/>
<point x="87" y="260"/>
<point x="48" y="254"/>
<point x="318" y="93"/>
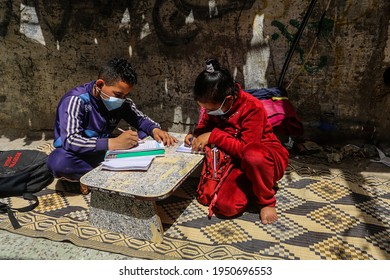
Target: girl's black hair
<point x="214" y="83"/>
<point x="116" y="70"/>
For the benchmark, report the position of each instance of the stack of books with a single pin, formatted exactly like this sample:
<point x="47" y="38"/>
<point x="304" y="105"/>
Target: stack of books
<point x="139" y="157"/>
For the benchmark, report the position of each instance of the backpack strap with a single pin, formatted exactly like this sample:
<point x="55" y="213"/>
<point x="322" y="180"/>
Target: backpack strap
<point x="4" y="208"/>
<point x="215" y="195"/>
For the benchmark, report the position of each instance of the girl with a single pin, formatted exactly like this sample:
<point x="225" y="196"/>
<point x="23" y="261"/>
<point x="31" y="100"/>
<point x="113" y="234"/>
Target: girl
<point x="236" y="122"/>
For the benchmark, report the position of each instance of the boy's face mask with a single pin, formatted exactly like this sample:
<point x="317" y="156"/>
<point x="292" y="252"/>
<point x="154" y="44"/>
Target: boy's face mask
<point x="111" y="103"/>
<point x="219" y="111"/>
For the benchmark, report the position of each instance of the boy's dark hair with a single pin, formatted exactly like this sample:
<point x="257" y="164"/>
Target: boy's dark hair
<point x="214" y="83"/>
<point x="116" y="70"/>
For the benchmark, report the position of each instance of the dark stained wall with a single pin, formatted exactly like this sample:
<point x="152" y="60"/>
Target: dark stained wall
<point x="334" y="79"/>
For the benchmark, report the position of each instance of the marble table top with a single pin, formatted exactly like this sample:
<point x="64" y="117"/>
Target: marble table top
<point x="163" y="176"/>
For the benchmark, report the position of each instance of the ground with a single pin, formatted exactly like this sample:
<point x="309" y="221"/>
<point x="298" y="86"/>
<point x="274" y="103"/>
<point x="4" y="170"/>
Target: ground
<point x="340" y="156"/>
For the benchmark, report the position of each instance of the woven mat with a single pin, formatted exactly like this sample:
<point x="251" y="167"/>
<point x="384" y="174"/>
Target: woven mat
<point x="323" y="214"/>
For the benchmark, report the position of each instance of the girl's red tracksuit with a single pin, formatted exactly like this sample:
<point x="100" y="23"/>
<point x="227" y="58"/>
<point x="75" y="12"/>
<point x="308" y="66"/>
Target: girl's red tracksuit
<point x="259" y="158"/>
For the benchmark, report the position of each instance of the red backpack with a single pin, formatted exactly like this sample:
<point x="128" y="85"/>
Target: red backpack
<point x="216" y="167"/>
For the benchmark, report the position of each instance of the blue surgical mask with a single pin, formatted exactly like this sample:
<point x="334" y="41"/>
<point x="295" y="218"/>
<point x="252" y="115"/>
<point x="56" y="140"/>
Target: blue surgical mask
<point x="111" y="103"/>
<point x="219" y="111"/>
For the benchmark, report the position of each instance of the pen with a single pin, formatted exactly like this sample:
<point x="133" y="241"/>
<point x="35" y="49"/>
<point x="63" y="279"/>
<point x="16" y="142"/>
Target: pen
<point x="192" y="135"/>
<point x="215" y="162"/>
<point x="192" y="132"/>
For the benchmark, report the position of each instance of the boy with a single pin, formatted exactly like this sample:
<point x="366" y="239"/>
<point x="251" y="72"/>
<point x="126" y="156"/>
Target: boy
<point x="88" y="114"/>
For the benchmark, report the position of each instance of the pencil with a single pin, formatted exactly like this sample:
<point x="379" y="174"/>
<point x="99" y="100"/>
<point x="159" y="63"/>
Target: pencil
<point x="139" y="140"/>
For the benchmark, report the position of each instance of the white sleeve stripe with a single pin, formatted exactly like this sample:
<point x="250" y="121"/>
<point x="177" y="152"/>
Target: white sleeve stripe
<point x="73" y="111"/>
<point x="70" y="106"/>
<point x="83" y="145"/>
<point x="73" y="125"/>
<point x="81" y="140"/>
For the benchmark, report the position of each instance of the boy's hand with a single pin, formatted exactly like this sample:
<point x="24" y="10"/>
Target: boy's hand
<point x="161" y="135"/>
<point x="125" y="140"/>
<point x="199" y="143"/>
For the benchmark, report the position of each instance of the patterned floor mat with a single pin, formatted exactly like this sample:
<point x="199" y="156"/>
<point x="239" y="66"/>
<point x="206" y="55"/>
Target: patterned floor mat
<point x="323" y="214"/>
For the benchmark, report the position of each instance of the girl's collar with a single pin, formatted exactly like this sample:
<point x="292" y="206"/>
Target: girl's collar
<point x="237" y="99"/>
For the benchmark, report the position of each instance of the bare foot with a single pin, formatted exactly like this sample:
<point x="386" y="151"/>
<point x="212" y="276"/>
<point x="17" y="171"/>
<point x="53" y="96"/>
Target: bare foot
<point x="268" y="215"/>
<point x="84" y="189"/>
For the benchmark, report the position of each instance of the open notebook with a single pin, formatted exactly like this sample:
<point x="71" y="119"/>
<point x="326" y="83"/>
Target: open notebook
<point x="185" y="149"/>
<point x="128" y="163"/>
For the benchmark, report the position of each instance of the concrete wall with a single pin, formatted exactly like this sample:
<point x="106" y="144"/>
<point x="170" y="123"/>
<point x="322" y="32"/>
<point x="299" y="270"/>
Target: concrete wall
<point x="335" y="79"/>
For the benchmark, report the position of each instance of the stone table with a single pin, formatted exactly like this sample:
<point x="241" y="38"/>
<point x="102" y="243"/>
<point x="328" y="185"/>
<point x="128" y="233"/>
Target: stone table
<point x="125" y="201"/>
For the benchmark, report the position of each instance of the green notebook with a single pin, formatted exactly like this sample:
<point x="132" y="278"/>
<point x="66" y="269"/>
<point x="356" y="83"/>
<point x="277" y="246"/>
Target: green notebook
<point x="144" y="148"/>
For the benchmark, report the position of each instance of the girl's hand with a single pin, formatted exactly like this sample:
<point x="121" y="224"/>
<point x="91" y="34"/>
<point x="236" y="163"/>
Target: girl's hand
<point x="199" y="143"/>
<point x="188" y="140"/>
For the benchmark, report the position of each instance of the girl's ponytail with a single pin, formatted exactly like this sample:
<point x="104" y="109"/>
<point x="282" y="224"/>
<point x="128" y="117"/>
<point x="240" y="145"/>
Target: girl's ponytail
<point x="214" y="83"/>
<point x="212" y="65"/>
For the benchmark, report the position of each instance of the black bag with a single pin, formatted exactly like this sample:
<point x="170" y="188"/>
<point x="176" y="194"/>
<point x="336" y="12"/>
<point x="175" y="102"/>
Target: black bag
<point x="22" y="173"/>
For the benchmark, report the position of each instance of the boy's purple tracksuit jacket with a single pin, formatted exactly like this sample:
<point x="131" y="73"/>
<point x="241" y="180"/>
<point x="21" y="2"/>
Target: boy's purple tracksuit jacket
<point x="82" y="127"/>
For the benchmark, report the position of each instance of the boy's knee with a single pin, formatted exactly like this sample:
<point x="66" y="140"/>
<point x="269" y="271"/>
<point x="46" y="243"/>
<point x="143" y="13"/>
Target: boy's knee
<point x="60" y="165"/>
<point x="54" y="162"/>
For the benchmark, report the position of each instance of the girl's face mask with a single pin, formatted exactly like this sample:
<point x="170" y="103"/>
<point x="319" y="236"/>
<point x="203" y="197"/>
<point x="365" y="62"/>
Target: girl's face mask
<point x="219" y="111"/>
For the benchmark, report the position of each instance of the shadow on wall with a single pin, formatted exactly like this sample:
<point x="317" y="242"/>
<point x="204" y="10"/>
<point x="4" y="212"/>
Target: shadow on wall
<point x="53" y="46"/>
